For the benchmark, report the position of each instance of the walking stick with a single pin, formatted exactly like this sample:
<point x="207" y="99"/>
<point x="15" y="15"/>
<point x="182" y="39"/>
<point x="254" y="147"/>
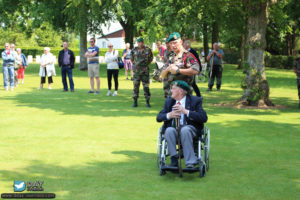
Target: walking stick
<point x="179" y="144"/>
<point x="212" y="65"/>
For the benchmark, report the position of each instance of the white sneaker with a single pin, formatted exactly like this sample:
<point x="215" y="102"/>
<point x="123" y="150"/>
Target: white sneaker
<point x="49" y="88"/>
<point x="11" y="89"/>
<point x="115" y="94"/>
<point x="6" y="88"/>
<point x="22" y="81"/>
<point x="108" y="93"/>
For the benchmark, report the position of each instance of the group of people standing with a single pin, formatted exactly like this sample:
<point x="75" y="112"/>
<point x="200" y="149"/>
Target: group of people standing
<point x="14" y="64"/>
<point x="180" y="62"/>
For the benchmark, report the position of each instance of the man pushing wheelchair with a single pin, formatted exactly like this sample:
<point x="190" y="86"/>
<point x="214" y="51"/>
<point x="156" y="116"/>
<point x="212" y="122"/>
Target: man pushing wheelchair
<point x="184" y="112"/>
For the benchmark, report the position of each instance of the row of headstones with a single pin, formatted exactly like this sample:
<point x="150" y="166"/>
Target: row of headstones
<point x="77" y="59"/>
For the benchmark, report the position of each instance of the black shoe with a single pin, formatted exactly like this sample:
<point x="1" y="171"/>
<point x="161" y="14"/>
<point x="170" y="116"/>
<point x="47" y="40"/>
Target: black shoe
<point x="65" y="90"/>
<point x="218" y="89"/>
<point x="131" y="79"/>
<point x="148" y="104"/>
<point x="174" y="161"/>
<point x="209" y="90"/>
<point x="72" y="90"/>
<point x="135" y="103"/>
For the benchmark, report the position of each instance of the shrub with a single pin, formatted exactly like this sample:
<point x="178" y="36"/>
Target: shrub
<point x="279" y="61"/>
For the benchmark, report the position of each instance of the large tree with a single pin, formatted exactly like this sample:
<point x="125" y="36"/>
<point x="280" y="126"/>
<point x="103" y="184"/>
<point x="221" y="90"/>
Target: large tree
<point x="256" y="87"/>
<point x="79" y="16"/>
<point x="129" y="13"/>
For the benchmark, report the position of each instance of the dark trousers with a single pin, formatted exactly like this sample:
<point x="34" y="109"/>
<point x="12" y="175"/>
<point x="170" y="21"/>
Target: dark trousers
<point x="43" y="79"/>
<point x="196" y="89"/>
<point x="298" y="84"/>
<point x="216" y="73"/>
<point x="113" y="73"/>
<point x="65" y="69"/>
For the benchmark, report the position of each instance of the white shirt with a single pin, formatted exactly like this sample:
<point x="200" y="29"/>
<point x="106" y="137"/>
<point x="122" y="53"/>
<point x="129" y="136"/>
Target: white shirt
<point x="111" y="58"/>
<point x="182" y="103"/>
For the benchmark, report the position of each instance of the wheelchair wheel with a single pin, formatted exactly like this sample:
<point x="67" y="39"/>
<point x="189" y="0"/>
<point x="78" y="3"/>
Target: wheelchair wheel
<point x="206" y="148"/>
<point x="159" y="148"/>
<point x="202" y="169"/>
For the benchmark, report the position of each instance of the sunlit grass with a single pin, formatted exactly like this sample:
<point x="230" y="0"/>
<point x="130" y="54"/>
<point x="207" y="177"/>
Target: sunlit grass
<point x="97" y="147"/>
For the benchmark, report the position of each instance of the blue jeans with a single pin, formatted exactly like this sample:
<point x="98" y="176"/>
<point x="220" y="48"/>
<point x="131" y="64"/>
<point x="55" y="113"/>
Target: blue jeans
<point x="64" y="71"/>
<point x="8" y="71"/>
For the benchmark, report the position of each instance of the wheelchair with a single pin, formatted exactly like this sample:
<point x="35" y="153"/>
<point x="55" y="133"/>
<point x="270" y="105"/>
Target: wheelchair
<point x="201" y="148"/>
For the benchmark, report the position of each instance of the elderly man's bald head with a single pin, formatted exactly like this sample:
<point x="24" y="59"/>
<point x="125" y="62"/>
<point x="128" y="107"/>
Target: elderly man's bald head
<point x="216" y="46"/>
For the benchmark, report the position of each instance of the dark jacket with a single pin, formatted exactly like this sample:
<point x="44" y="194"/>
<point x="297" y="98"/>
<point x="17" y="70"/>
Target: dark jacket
<point x="197" y="116"/>
<point x="61" y="58"/>
<point x="194" y="52"/>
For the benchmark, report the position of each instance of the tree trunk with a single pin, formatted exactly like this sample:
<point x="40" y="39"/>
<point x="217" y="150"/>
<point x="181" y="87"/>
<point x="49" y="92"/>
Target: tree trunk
<point x="256" y="87"/>
<point x="214" y="33"/>
<point x="83" y="47"/>
<point x="129" y="34"/>
<point x="242" y="52"/>
<point x="205" y="40"/>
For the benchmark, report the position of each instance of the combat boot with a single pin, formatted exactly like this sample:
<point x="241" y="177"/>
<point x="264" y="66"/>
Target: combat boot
<point x="148" y="103"/>
<point x="135" y="103"/>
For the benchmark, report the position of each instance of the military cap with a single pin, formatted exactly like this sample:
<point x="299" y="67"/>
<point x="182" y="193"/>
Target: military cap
<point x="182" y="84"/>
<point x="173" y="36"/>
<point x="140" y="39"/>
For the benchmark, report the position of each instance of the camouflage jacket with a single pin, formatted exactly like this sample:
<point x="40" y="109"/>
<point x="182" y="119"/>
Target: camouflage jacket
<point x="141" y="59"/>
<point x="296" y="66"/>
<point x="184" y="61"/>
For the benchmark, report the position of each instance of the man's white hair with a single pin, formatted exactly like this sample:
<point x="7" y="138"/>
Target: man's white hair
<point x="47" y="49"/>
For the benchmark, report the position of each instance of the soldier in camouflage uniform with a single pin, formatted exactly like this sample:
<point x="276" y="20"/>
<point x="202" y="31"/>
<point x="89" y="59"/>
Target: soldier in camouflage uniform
<point x="141" y="57"/>
<point x="181" y="64"/>
<point x="297" y="71"/>
<point x="166" y="83"/>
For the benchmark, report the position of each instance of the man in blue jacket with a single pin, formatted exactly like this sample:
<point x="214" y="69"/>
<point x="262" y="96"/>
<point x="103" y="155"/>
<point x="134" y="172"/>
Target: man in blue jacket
<point x="8" y="67"/>
<point x="192" y="117"/>
<point x="66" y="60"/>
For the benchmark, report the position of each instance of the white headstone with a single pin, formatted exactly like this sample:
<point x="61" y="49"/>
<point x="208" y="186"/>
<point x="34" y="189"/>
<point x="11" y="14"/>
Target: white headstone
<point x="101" y="59"/>
<point x="77" y="59"/>
<point x="29" y="60"/>
<point x="38" y="58"/>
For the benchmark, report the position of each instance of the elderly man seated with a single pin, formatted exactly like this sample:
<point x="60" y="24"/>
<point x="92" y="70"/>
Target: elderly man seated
<point x="192" y="116"/>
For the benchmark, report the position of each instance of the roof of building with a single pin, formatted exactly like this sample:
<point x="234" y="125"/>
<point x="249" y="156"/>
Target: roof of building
<point x="116" y="34"/>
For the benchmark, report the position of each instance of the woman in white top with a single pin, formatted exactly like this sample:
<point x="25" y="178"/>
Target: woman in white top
<point x="111" y="58"/>
<point x="47" y="67"/>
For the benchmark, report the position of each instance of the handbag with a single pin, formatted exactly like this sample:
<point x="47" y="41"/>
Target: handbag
<point x="120" y="63"/>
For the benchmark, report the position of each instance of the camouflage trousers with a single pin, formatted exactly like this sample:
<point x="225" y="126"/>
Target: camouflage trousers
<point x="137" y="79"/>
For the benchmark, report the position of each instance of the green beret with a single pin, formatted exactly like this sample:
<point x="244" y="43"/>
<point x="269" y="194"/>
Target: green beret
<point x="173" y="36"/>
<point x="182" y="84"/>
<point x="140" y="40"/>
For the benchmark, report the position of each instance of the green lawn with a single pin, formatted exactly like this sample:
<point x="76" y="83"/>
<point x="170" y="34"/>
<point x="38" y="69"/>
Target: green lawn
<point x="86" y="146"/>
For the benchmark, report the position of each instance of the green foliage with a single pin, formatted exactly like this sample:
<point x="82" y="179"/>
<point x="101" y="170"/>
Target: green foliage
<point x="46" y="37"/>
<point x="279" y="61"/>
<point x="252" y="83"/>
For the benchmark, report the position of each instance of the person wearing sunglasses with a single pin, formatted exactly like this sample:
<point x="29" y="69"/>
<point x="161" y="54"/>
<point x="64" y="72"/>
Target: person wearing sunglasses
<point x="111" y="59"/>
<point x="92" y="55"/>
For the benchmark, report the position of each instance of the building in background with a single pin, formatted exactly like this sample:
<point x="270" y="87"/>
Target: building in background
<point x="117" y="38"/>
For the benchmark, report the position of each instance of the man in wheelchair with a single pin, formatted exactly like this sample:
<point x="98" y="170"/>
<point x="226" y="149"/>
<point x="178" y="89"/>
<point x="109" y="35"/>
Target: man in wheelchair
<point x="191" y="116"/>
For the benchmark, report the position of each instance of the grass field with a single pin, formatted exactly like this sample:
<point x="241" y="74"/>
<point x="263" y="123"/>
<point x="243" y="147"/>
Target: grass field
<point x="86" y="146"/>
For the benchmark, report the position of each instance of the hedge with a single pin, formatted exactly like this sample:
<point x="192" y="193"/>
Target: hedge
<point x="279" y="61"/>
